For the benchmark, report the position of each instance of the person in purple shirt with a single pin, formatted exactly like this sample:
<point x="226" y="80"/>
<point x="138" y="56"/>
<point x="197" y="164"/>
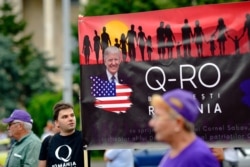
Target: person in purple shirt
<point x="173" y="124"/>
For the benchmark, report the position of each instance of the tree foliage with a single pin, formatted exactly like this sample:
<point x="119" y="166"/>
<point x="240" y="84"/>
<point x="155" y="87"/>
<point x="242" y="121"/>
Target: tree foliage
<point x="24" y="69"/>
<point x="40" y="108"/>
<point x="106" y="7"/>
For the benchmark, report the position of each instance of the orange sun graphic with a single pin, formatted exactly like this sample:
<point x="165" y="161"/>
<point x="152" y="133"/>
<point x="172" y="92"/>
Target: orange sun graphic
<point x="115" y="29"/>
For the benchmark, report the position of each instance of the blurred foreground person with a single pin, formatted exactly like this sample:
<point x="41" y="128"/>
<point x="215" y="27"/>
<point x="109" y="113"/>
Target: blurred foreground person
<point x="219" y="154"/>
<point x="119" y="158"/>
<point x="25" y="150"/>
<point x="173" y="124"/>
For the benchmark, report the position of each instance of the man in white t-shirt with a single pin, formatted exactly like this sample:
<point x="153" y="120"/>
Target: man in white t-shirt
<point x="119" y="158"/>
<point x="231" y="157"/>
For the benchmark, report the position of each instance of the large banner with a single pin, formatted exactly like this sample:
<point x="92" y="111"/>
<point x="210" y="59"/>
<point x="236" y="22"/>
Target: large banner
<point x="204" y="49"/>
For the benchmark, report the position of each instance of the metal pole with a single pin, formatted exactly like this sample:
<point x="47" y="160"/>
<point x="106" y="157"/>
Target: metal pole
<point x="67" y="67"/>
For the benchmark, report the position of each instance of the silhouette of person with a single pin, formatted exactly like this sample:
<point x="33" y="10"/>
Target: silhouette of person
<point x="160" y="34"/>
<point x="131" y="36"/>
<point x="105" y="40"/>
<point x="221" y="38"/>
<point x="178" y="49"/>
<point x="170" y="40"/>
<point x="86" y="48"/>
<point x="97" y="46"/>
<point x="186" y="36"/>
<point x="236" y="41"/>
<point x="198" y="38"/>
<point x="123" y="43"/>
<point x="116" y="43"/>
<point x="247" y="27"/>
<point x="212" y="45"/>
<point x="149" y="47"/>
<point x="141" y="41"/>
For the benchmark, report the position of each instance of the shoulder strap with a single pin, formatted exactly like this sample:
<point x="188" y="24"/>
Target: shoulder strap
<point x="49" y="141"/>
<point x="50" y="137"/>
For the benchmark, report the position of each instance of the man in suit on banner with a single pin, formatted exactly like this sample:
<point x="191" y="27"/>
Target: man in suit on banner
<point x="112" y="61"/>
<point x="112" y="92"/>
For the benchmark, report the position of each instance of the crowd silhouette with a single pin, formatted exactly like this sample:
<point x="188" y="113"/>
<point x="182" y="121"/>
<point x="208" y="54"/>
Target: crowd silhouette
<point x="166" y="41"/>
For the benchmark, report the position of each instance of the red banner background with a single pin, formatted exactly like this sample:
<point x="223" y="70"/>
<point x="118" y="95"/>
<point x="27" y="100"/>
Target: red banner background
<point x="234" y="15"/>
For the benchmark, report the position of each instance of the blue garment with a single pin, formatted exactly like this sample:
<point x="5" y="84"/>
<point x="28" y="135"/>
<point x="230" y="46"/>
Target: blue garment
<point x="120" y="158"/>
<point x="197" y="154"/>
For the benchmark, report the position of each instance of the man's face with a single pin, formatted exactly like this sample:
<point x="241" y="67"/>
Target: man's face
<point x="66" y="120"/>
<point x="13" y="129"/>
<point x="112" y="63"/>
<point x="163" y="124"/>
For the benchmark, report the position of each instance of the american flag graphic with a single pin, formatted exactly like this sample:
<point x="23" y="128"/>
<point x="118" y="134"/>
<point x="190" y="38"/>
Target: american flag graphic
<point x="110" y="96"/>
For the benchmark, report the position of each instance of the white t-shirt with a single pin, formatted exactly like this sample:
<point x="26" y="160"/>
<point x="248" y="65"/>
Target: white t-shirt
<point x="230" y="154"/>
<point x="120" y="158"/>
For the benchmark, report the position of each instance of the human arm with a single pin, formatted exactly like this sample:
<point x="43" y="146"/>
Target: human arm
<point x="218" y="153"/>
<point x="192" y="34"/>
<point x="213" y="34"/>
<point x="42" y="163"/>
<point x="230" y="37"/>
<point x="173" y="36"/>
<point x="83" y="45"/>
<point x="90" y="46"/>
<point x="203" y="36"/>
<point x="105" y="158"/>
<point x="145" y="37"/>
<point x="43" y="152"/>
<point x="241" y="37"/>
<point x="244" y="29"/>
<point x="136" y="38"/>
<point x="109" y="41"/>
<point x="111" y="154"/>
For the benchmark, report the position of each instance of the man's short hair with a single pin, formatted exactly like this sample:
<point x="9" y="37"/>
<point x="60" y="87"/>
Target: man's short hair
<point x="60" y="106"/>
<point x="187" y="126"/>
<point x="27" y="126"/>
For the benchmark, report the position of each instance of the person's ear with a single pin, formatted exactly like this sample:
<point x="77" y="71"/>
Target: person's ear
<point x="57" y="124"/>
<point x="179" y="124"/>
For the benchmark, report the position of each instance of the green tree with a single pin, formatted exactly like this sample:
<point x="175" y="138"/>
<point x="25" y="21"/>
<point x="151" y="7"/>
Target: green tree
<point x="24" y="69"/>
<point x="40" y="108"/>
<point x="106" y="7"/>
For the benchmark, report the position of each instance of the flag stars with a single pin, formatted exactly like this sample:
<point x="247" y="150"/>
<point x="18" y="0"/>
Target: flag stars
<point x="106" y="93"/>
<point x="101" y="88"/>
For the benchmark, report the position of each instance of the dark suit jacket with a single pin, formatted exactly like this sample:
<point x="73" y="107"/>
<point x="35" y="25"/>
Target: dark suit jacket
<point x="122" y="78"/>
